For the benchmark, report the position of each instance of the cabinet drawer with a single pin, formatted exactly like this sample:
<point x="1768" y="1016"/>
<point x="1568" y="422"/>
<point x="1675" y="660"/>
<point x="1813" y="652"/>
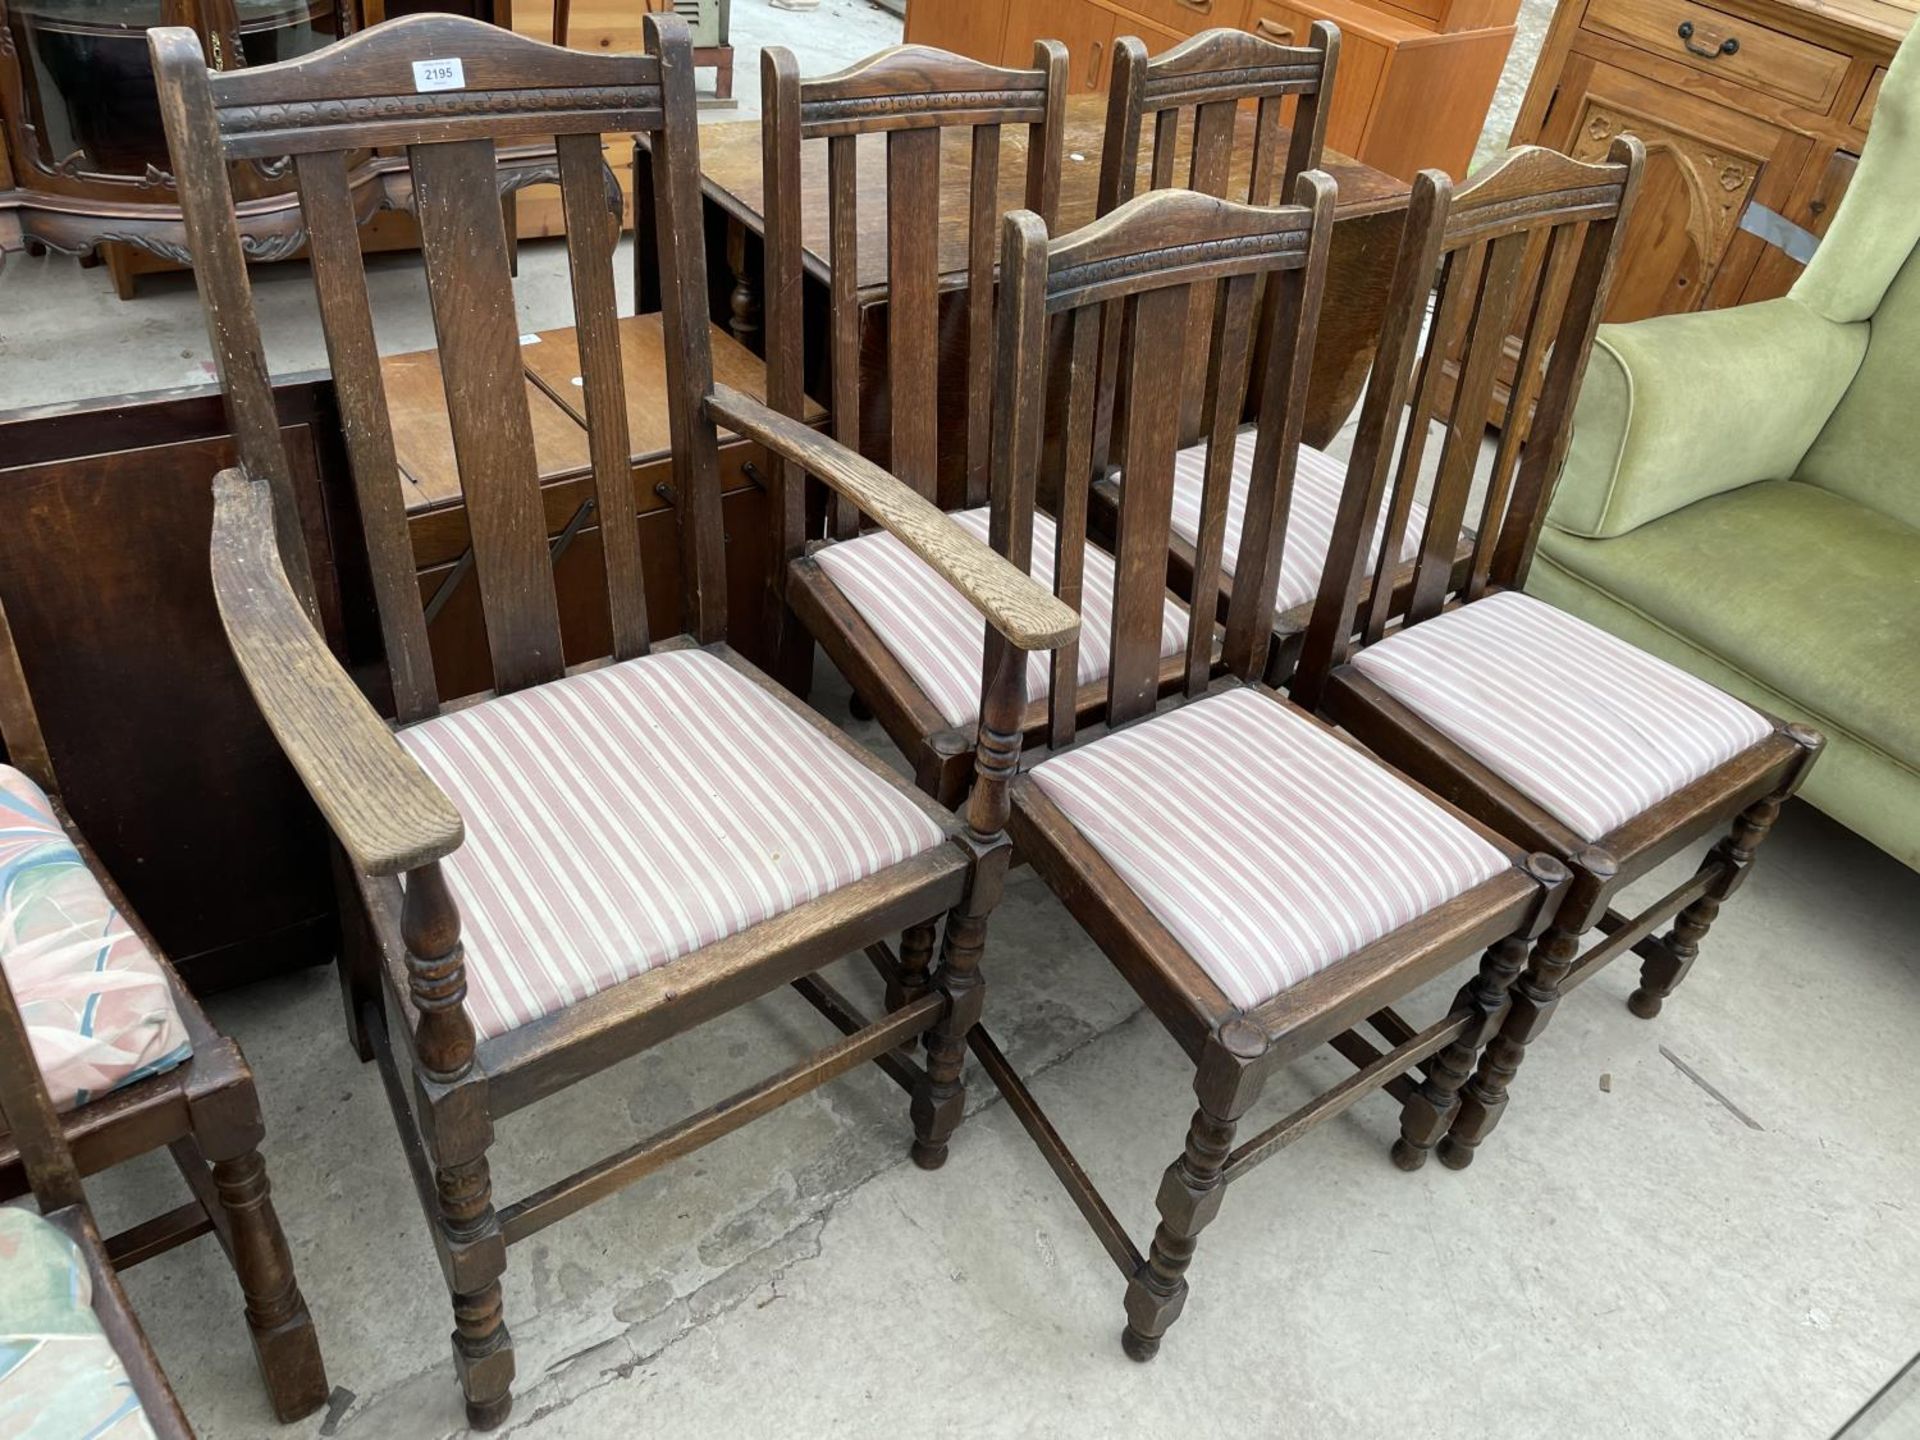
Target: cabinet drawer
<point x="1716" y="43"/>
<point x="1187" y="16"/>
<point x="1356" y="81"/>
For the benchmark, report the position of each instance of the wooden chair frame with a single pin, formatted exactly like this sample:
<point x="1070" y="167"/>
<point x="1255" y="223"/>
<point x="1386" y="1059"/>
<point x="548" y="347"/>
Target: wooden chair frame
<point x="402" y="964"/>
<point x="38" y="1136"/>
<point x="1527" y="248"/>
<point x="205" y="1111"/>
<point x="1151" y="259"/>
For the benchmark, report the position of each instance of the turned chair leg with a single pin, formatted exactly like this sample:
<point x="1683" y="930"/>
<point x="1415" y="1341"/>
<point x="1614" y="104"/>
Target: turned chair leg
<point x="1194" y="1184"/>
<point x="284" y="1341"/>
<point x="1662" y="971"/>
<point x="1534" y="998"/>
<point x="1430" y="1109"/>
<point x="940" y="1099"/>
<point x="475" y="1254"/>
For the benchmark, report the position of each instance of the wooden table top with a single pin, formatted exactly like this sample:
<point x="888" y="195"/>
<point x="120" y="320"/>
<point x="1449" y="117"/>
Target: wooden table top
<point x="732" y="178"/>
<point x="423" y="436"/>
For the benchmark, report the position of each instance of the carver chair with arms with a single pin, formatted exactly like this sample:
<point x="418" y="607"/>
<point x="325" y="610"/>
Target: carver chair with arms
<point x="1559" y="736"/>
<point x="554" y="875"/>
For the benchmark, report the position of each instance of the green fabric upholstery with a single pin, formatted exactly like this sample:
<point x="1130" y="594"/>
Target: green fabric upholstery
<point x="1868" y="451"/>
<point x="1742" y="492"/>
<point x="1878" y="225"/>
<point x="1650" y="431"/>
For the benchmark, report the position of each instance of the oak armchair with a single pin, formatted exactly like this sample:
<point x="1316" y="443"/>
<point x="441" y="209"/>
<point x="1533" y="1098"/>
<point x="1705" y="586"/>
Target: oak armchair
<point x="1554" y="733"/>
<point x="548" y="877"/>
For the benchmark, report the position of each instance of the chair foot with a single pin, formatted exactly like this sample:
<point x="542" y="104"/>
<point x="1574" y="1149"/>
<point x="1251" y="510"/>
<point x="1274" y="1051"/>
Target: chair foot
<point x="1141" y="1348"/>
<point x="1454" y="1155"/>
<point x="1645" y="1004"/>
<point x="284" y="1341"/>
<point x="491" y="1415"/>
<point x="1408" y="1156"/>
<point x="929" y="1156"/>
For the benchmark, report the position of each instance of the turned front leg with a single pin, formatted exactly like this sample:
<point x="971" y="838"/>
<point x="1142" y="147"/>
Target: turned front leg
<point x="1730" y="860"/>
<point x="1229" y="1081"/>
<point x="1429" y="1110"/>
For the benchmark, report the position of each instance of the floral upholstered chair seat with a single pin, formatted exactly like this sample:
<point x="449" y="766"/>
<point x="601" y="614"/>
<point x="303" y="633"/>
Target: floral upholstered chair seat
<point x="97" y="1005"/>
<point x="59" y="1375"/>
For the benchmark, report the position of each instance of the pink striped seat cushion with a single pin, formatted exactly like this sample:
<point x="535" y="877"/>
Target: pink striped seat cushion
<point x="98" y="1008"/>
<point x="622" y="818"/>
<point x="941" y="640"/>
<point x="1318" y="480"/>
<point x="1267" y="846"/>
<point x="1590" y="728"/>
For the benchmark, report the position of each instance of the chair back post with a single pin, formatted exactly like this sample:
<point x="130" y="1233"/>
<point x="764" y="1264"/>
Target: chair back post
<point x="220" y="273"/>
<point x="1524" y="251"/>
<point x="20" y="733"/>
<point x="909" y="97"/>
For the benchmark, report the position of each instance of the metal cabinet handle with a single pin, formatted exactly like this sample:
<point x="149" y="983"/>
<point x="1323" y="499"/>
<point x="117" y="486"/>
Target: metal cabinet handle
<point x="1728" y="46"/>
<point x="1274" y="30"/>
<point x="1093" y="69"/>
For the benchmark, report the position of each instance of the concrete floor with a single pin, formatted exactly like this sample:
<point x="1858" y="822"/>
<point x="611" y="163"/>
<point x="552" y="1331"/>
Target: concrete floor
<point x="1633" y="1255"/>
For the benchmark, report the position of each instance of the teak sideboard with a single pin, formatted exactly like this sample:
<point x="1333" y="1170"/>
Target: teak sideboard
<point x="1412" y="91"/>
<point x="1753" y="113"/>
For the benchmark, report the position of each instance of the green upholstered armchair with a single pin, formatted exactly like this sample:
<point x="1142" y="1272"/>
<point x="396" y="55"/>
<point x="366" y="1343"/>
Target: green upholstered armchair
<point x="1742" y="493"/>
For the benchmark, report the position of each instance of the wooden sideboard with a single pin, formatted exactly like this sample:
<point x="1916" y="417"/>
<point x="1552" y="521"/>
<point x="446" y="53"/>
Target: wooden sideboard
<point x="1413" y="87"/>
<point x="1753" y="113"/>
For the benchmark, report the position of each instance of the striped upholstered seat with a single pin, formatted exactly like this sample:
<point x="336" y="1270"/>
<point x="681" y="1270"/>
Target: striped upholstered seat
<point x="1590" y="728"/>
<point x="621" y="818"/>
<point x="1330" y="851"/>
<point x="1318" y="479"/>
<point x="938" y="636"/>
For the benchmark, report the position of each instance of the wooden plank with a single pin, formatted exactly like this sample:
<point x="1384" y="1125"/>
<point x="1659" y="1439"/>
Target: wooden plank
<point x="913" y="325"/>
<point x="464" y="243"/>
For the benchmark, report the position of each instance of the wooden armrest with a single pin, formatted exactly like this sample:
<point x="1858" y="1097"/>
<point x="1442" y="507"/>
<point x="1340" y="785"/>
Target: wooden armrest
<point x="1026" y="613"/>
<point x="380" y="803"/>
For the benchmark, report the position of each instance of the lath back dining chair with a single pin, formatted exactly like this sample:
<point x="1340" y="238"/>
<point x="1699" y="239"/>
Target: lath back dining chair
<point x="1264" y="885"/>
<point x="129" y="1059"/>
<point x="561" y="872"/>
<point x="1556" y="734"/>
<point x="78" y="1362"/>
<point x="1195" y="95"/>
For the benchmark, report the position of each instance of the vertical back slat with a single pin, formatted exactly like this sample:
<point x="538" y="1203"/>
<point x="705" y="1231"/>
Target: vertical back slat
<point x="843" y="243"/>
<point x="982" y="244"/>
<point x="1229" y="359"/>
<point x="1151" y="413"/>
<point x="603" y="382"/>
<point x="1166" y="139"/>
<point x="913" y="304"/>
<point x="464" y="243"/>
<point x="1070" y="539"/>
<point x="1459" y="282"/>
<point x="1562" y="247"/>
<point x="1467" y="425"/>
<point x="1208" y="174"/>
<point x="1256" y="572"/>
<point x="1266" y="150"/>
<point x="333" y="246"/>
<point x="1046" y="147"/>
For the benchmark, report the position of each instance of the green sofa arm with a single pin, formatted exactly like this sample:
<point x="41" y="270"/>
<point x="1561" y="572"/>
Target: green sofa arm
<point x="1680" y="407"/>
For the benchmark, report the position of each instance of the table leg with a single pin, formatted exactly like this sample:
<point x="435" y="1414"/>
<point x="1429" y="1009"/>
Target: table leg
<point x="745" y="300"/>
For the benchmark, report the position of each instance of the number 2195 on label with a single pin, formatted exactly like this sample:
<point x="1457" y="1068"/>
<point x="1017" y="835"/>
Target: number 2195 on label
<point x="439" y="75"/>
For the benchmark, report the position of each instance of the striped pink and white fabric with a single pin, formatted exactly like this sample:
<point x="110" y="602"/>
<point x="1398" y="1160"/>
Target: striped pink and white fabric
<point x="1590" y="728"/>
<point x="1266" y="845"/>
<point x="941" y="640"/>
<point x="1318" y="480"/>
<point x="622" y="818"/>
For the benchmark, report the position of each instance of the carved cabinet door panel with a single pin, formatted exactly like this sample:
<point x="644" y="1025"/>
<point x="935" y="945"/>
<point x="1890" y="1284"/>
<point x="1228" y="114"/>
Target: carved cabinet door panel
<point x="1705" y="163"/>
